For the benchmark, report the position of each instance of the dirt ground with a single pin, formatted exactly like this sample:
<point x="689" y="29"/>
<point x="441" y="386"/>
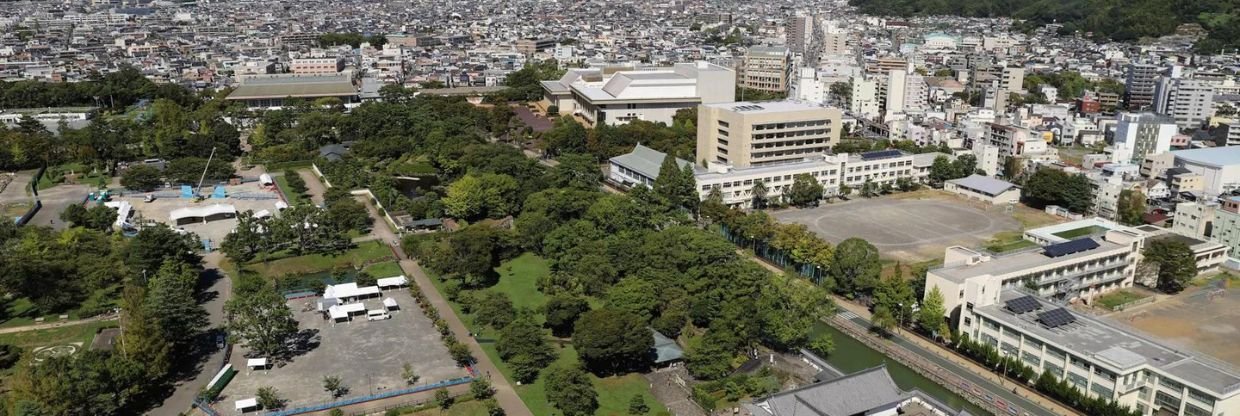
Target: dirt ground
<point x="245" y="197"/>
<point x="1205" y="319"/>
<point x="909" y="228"/>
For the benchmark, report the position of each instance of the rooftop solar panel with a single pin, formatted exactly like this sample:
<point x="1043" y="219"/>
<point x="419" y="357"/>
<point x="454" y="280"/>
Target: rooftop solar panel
<point x="1070" y="247"/>
<point x="1023" y="304"/>
<point x="1055" y="318"/>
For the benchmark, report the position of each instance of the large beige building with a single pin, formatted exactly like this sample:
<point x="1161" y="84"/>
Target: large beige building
<point x="744" y="134"/>
<point x="766" y="68"/>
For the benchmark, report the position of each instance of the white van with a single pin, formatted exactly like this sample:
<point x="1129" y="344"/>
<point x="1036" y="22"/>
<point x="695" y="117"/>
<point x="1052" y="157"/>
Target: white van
<point x="377" y="315"/>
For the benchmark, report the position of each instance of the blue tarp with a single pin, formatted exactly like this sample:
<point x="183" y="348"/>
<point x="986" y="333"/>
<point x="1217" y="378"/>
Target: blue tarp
<point x="187" y="192"/>
<point x="219" y="192"/>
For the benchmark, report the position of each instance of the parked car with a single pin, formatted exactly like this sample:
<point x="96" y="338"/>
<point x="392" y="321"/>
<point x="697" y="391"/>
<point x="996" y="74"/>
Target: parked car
<point x="377" y="315"/>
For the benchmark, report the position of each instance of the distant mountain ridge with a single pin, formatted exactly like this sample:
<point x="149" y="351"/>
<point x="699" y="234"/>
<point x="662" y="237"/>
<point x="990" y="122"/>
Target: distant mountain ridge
<point x="1118" y="20"/>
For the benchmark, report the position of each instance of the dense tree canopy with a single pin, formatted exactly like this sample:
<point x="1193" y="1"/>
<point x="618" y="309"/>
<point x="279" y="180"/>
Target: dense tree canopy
<point x="1055" y="187"/>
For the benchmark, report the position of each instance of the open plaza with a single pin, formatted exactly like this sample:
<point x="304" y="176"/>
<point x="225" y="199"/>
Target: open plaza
<point x="211" y="218"/>
<point x="906" y="229"/>
<point x="367" y="355"/>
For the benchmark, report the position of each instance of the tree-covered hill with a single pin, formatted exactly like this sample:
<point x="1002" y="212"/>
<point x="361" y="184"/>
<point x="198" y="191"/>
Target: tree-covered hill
<point x="1121" y="20"/>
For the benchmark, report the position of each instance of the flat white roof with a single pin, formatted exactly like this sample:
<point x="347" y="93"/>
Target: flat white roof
<point x="348" y="290"/>
<point x="393" y="281"/>
<point x="760" y="107"/>
<point x="256" y="362"/>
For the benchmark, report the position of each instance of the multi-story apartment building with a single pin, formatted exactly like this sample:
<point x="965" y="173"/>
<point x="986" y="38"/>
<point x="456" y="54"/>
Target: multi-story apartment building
<point x="1140" y="134"/>
<point x="864" y="101"/>
<point x="1014" y="140"/>
<point x="1226" y="230"/>
<point x="1139" y="85"/>
<point x="798" y="33"/>
<point x="766" y="68"/>
<point x="1217" y="168"/>
<point x="529" y="46"/>
<point x="1190" y="102"/>
<point x="1012" y="79"/>
<point x="745" y="134"/>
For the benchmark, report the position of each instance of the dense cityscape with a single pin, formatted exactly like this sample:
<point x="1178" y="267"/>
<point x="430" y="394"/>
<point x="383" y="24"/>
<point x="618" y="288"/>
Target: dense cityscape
<point x="654" y="207"/>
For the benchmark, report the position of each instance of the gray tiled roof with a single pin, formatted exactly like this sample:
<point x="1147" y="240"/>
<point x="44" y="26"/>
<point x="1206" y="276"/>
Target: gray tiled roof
<point x="645" y="161"/>
<point x="853" y="394"/>
<point x="984" y="184"/>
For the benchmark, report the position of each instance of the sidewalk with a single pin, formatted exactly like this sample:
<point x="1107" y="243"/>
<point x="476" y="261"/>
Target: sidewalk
<point x="58" y="324"/>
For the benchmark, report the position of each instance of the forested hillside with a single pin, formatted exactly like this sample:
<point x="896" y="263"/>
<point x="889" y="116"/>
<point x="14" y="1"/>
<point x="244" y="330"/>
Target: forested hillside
<point x="1113" y="19"/>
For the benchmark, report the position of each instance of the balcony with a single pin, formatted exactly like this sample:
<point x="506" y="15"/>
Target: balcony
<point x="1058" y="277"/>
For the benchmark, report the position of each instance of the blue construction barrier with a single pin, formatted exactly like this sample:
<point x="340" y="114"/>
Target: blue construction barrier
<point x="187" y="192"/>
<point x="219" y="193"/>
<point x="393" y="393"/>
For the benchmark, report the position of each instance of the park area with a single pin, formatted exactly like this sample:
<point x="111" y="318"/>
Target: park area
<point x="40" y="344"/>
<point x="917" y="226"/>
<point x="518" y="279"/>
<point x="1205" y="317"/>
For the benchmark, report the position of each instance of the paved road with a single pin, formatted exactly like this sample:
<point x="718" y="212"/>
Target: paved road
<point x="314" y="188"/>
<point x="219" y="291"/>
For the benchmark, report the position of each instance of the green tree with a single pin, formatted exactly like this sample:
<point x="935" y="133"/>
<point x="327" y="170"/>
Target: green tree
<point x="475" y="196"/>
<point x="296" y="184"/>
<point x="674" y="187"/>
<point x="87" y="383"/>
<point x="1176" y="263"/>
<point x="788" y="312"/>
<point x="855" y="267"/>
<point x="171" y="302"/>
<point x="822" y="344"/>
<point x="332" y="385"/>
<point x="576" y="171"/>
<point x="494" y="309"/>
<point x="522" y="345"/>
<point x="1055" y="187"/>
<point x="444" y="399"/>
<point x="612" y="341"/>
<point x="143" y="178"/>
<point x="153" y="246"/>
<point x="262" y="321"/>
<point x="481" y="389"/>
<point x="637" y="405"/>
<point x="894" y="293"/>
<point x="941" y="170"/>
<point x="1131" y="208"/>
<point x="805" y="190"/>
<point x="269" y="398"/>
<point x="758" y="192"/>
<point x="931" y="315"/>
<point x="569" y="389"/>
<point x="562" y="311"/>
<point x="408" y="374"/>
<point x="97" y="217"/>
<point x="883" y="319"/>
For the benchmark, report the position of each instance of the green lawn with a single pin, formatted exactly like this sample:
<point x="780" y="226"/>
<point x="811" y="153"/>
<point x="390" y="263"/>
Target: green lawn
<point x="21" y="312"/>
<point x="385" y="269"/>
<point x="28" y="340"/>
<point x="1006" y="241"/>
<point x="519" y="279"/>
<point x="468" y="408"/>
<point x="1119" y="297"/>
<point x="312" y="263"/>
<point x="293" y="198"/>
<point x="1080" y="232"/>
<point x="55" y="175"/>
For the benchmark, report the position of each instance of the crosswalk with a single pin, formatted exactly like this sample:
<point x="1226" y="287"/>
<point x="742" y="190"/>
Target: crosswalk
<point x="847" y="315"/>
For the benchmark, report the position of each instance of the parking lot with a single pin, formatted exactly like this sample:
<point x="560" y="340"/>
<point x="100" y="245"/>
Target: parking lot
<point x="908" y="230"/>
<point x="368" y="356"/>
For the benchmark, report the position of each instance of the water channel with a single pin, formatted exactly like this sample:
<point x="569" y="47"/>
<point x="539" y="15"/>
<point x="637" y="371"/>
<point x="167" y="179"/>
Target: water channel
<point x="851" y="356"/>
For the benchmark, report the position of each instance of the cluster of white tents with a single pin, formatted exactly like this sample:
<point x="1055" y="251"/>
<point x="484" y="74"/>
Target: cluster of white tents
<point x="341" y="302"/>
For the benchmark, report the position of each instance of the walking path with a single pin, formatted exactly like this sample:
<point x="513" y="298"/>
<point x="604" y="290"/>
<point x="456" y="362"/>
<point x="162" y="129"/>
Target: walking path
<point x="186" y="390"/>
<point x="58" y="324"/>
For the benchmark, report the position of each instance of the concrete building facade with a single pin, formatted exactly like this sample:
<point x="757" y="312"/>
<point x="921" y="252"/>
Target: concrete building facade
<point x="766" y="68"/>
<point x="745" y="134"/>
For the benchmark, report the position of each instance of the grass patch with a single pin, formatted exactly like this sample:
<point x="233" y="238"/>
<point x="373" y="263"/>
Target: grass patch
<point x="29" y="340"/>
<point x="1119" y="297"/>
<point x="1080" y="232"/>
<point x="1006" y="241"/>
<point x="356" y="257"/>
<point x="469" y="408"/>
<point x="15" y="209"/>
<point x="519" y="280"/>
<point x="385" y="269"/>
<point x="293" y="198"/>
<point x="57" y="175"/>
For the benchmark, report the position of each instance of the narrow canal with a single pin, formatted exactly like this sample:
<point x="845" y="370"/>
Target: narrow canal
<point x="851" y="356"/>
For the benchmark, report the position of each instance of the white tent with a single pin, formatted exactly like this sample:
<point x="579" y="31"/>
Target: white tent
<point x="201" y="212"/>
<point x="249" y="403"/>
<point x="254" y="363"/>
<point x="262" y="213"/>
<point x="265" y="179"/>
<point x="123" y="210"/>
<point x="339" y="312"/>
<point x="346" y="291"/>
<point x="281" y="205"/>
<point x="390" y="304"/>
<point x="396" y="281"/>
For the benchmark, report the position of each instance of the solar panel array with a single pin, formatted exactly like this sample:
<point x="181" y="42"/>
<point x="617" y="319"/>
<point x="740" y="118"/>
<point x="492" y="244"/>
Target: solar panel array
<point x="1055" y="318"/>
<point x="1070" y="247"/>
<point x="747" y="107"/>
<point x="1023" y="304"/>
<point x="881" y="154"/>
